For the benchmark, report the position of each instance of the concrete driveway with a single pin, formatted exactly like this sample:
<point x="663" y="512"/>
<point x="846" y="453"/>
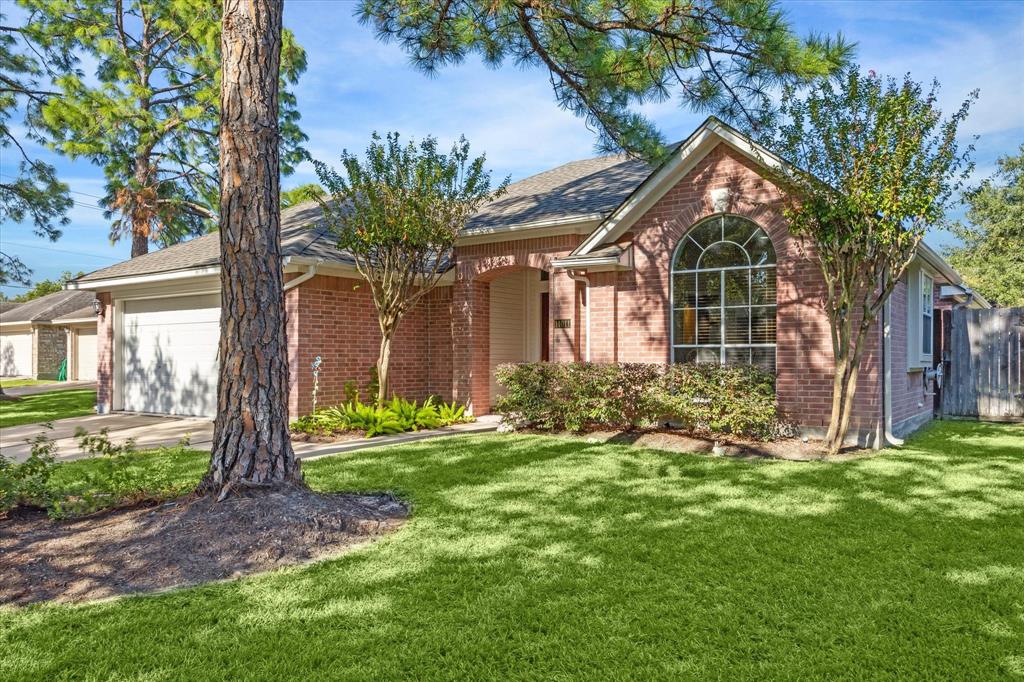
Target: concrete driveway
<point x="148" y="431"/>
<point x="151" y="431"/>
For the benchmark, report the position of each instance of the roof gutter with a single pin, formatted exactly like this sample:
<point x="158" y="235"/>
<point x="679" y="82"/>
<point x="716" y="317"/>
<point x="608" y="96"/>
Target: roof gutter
<point x="304" y="277"/>
<point x="99" y="284"/>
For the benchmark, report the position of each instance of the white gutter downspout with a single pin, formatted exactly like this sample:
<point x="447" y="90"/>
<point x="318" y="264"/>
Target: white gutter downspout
<point x="304" y="277"/>
<point x="586" y="281"/>
<point x="890" y="439"/>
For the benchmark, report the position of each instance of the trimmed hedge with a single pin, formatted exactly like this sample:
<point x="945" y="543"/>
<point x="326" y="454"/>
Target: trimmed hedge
<point x="702" y="397"/>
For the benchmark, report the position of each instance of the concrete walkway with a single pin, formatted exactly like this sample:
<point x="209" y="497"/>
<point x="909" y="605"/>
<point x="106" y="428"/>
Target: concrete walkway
<point x="152" y="432"/>
<point x="21" y="391"/>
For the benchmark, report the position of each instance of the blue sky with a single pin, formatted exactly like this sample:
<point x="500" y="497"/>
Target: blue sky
<point x="356" y="84"/>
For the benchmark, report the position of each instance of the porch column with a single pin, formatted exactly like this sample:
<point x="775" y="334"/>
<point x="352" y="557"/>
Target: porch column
<point x="471" y="345"/>
<point x="105" y="351"/>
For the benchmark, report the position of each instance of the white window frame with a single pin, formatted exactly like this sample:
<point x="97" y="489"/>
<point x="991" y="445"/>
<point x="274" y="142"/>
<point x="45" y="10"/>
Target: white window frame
<point x="926" y="315"/>
<point x="722" y="347"/>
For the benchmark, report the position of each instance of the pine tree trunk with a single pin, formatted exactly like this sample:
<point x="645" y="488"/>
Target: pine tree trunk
<point x="140" y="222"/>
<point x="251" y="444"/>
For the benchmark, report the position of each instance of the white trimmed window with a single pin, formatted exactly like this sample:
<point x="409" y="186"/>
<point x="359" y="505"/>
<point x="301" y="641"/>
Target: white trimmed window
<point x="723" y="294"/>
<point x="927" y="312"/>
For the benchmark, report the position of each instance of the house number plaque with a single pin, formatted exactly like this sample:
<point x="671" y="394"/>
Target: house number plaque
<point x="563" y="324"/>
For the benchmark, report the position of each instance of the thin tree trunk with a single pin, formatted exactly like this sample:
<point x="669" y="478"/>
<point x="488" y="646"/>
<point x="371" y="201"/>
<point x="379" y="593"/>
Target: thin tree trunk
<point x="384" y="366"/>
<point x="251" y="444"/>
<point x="841" y="426"/>
<point x="838" y="381"/>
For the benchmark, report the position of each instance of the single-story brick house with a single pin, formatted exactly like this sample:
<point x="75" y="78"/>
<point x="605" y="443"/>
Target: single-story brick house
<point x="37" y="336"/>
<point x="604" y="259"/>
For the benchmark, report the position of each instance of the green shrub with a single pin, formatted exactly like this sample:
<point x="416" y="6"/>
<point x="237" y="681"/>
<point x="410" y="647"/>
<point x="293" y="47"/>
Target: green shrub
<point x="452" y="413"/>
<point x="26" y="483"/>
<point x="706" y="397"/>
<point x="395" y="416"/>
<point x="735" y="399"/>
<point x="110" y="477"/>
<point x="531" y="395"/>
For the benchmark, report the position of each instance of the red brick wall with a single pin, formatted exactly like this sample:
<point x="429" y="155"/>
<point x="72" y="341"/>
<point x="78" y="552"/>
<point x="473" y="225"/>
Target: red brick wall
<point x="105" y="351"/>
<point x="639" y="303"/>
<point x="335" y="318"/>
<point x="479" y="264"/>
<point x="910" y="399"/>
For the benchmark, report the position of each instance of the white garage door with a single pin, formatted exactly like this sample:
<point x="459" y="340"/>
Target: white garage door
<point x="85" y="355"/>
<point x="169" y="355"/>
<point x="16" y="355"/>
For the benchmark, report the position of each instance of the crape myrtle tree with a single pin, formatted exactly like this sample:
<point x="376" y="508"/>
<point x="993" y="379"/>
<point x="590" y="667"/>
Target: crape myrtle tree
<point x="29" y="188"/>
<point x="606" y="57"/>
<point x="873" y="165"/>
<point x="251" y="444"/>
<point x="991" y="253"/>
<point x="398" y="213"/>
<point x="148" y="113"/>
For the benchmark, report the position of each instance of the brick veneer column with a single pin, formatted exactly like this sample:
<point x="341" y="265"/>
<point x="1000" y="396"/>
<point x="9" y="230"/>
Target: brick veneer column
<point x="603" y="327"/>
<point x="471" y="344"/>
<point x="105" y="355"/>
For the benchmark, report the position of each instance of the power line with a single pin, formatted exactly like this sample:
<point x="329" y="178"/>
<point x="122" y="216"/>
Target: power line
<point x="74" y="253"/>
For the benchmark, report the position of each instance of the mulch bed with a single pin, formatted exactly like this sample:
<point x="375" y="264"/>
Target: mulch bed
<point x="147" y="548"/>
<point x="673" y="440"/>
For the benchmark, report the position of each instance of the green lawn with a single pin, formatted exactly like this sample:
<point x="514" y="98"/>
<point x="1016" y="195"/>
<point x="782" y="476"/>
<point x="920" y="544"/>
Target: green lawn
<point x="549" y="558"/>
<point x="11" y="383"/>
<point x="45" y="407"/>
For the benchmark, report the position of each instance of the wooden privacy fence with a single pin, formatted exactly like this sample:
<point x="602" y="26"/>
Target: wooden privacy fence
<point x="982" y="354"/>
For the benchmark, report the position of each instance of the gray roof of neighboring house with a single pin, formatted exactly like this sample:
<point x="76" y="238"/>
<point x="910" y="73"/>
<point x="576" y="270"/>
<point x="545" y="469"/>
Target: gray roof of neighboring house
<point x="575" y="189"/>
<point x="301" y="235"/>
<point x="85" y="312"/>
<point x="49" y="307"/>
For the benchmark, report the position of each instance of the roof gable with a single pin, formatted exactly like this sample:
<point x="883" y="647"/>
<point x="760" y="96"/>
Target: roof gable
<point x="686" y="156"/>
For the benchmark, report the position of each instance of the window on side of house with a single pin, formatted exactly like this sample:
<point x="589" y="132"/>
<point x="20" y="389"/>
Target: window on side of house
<point x="927" y="303"/>
<point x="723" y="294"/>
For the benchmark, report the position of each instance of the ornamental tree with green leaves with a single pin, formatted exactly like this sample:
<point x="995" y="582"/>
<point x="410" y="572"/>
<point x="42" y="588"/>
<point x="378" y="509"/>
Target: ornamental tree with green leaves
<point x="296" y="195"/>
<point x="873" y="165"/>
<point x="33" y="191"/>
<point x="991" y="256"/>
<point x="607" y="57"/>
<point x="45" y="287"/>
<point x="398" y="213"/>
<point x="148" y="114"/>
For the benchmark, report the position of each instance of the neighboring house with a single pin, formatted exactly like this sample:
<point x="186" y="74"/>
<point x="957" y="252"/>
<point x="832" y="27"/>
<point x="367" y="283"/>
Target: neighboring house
<point x="34" y="339"/>
<point x="604" y="260"/>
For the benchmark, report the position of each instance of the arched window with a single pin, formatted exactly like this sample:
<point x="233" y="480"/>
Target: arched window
<point x="723" y="294"/>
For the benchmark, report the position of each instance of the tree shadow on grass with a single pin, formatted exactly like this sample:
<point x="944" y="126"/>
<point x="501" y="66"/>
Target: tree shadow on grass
<point x="544" y="557"/>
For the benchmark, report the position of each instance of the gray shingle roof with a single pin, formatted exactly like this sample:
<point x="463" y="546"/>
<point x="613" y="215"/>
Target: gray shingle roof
<point x="85" y="312"/>
<point x="301" y="235"/>
<point x="575" y="189"/>
<point x="49" y="307"/>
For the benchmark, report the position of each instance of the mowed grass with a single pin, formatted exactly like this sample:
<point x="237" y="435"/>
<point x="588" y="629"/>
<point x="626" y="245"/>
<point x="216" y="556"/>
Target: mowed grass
<point x="549" y="558"/>
<point x="11" y="383"/>
<point x="45" y="407"/>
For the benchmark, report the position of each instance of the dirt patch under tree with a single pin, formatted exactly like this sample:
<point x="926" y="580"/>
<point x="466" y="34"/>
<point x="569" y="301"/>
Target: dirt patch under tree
<point x="146" y="548"/>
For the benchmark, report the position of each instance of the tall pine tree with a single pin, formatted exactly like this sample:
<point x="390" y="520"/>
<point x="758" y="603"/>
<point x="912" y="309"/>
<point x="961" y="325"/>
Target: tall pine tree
<point x="148" y="114"/>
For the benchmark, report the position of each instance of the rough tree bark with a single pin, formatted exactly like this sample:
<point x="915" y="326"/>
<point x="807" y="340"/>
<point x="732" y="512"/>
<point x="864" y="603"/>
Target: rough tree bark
<point x="251" y="446"/>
